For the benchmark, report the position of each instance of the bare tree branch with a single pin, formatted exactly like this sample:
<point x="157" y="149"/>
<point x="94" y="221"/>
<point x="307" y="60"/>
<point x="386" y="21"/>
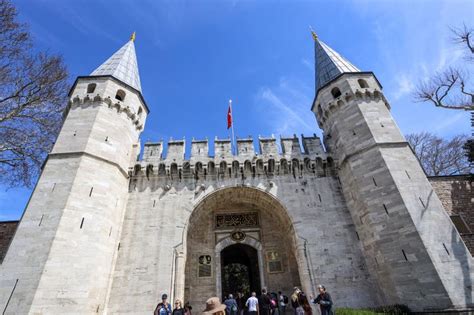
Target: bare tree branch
<point x="33" y="90"/>
<point x="440" y="156"/>
<point x="450" y="89"/>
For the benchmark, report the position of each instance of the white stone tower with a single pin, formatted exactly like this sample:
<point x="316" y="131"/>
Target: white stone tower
<point x="63" y="253"/>
<point x="410" y="243"/>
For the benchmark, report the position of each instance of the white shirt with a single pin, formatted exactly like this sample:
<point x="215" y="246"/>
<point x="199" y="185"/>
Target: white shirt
<point x="282" y="300"/>
<point x="252" y="303"/>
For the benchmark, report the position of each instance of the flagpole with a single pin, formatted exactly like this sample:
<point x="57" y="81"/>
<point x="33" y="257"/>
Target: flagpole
<point x="232" y="125"/>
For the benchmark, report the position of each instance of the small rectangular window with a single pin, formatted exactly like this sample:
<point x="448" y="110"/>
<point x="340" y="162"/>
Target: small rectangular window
<point x="404" y="255"/>
<point x="82" y="223"/>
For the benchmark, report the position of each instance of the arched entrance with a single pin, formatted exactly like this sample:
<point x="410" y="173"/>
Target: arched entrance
<point x="239" y="230"/>
<point x="239" y="270"/>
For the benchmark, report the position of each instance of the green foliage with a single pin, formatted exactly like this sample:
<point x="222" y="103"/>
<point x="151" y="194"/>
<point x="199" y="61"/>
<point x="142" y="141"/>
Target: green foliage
<point x="389" y="309"/>
<point x="350" y="311"/>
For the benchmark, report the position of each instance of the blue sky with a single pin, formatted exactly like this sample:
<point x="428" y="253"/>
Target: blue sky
<point x="195" y="55"/>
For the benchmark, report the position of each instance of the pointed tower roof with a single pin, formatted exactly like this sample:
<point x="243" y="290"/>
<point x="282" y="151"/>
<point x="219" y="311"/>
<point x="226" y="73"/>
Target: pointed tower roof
<point x="122" y="65"/>
<point x="329" y="64"/>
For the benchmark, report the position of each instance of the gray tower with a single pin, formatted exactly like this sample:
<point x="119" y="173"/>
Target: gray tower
<point x="62" y="256"/>
<point x="410" y="243"/>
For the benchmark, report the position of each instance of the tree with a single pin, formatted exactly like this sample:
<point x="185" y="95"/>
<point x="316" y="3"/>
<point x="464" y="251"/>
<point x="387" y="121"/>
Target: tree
<point x="33" y="87"/>
<point x="439" y="156"/>
<point x="450" y="88"/>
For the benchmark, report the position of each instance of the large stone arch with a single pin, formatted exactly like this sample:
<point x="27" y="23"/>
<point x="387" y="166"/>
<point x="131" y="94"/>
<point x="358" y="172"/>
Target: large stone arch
<point x="240" y="199"/>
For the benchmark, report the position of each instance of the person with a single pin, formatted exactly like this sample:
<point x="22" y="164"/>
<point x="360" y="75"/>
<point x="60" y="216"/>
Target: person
<point x="264" y="303"/>
<point x="231" y="305"/>
<point x="282" y="303"/>
<point x="324" y="300"/>
<point x="304" y="304"/>
<point x="187" y="309"/>
<point x="178" y="308"/>
<point x="163" y="308"/>
<point x="240" y="303"/>
<point x="294" y="299"/>
<point x="273" y="302"/>
<point x="252" y="304"/>
<point x="214" y="307"/>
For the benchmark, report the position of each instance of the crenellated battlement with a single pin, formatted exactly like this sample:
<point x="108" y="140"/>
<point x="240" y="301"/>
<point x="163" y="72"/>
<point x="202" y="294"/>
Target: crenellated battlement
<point x="290" y="160"/>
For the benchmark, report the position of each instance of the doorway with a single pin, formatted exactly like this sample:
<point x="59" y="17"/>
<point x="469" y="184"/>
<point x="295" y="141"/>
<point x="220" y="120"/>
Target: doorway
<point x="240" y="270"/>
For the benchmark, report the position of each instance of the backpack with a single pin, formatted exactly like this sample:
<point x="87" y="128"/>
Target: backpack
<point x="285" y="299"/>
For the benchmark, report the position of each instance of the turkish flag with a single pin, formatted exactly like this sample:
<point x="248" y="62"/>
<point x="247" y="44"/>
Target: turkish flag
<point x="229" y="117"/>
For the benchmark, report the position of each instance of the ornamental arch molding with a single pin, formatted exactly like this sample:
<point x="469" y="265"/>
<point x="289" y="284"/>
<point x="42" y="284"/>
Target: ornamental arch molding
<point x="200" y="234"/>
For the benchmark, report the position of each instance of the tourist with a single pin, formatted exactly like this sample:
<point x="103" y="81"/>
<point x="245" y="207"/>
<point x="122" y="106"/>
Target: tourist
<point x="178" y="308"/>
<point x="240" y="303"/>
<point x="231" y="305"/>
<point x="264" y="303"/>
<point x="273" y="302"/>
<point x="214" y="307"/>
<point x="187" y="309"/>
<point x="163" y="308"/>
<point x="324" y="300"/>
<point x="294" y="299"/>
<point x="282" y="301"/>
<point x="304" y="304"/>
<point x="252" y="304"/>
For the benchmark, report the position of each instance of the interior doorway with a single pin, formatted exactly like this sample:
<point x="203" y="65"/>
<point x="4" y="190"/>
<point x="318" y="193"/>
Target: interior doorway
<point x="239" y="270"/>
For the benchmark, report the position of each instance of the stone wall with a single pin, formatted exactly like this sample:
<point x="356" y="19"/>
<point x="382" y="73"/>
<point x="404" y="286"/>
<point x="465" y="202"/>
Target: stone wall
<point x="456" y="195"/>
<point x="7" y="230"/>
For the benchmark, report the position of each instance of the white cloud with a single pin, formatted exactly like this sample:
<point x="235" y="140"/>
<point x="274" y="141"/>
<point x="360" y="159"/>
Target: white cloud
<point x="405" y="86"/>
<point x="449" y="121"/>
<point x="286" y="107"/>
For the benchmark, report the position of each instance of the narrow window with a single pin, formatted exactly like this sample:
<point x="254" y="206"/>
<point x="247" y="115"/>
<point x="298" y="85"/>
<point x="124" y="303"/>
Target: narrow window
<point x="154" y="203"/>
<point x="319" y="196"/>
<point x="106" y="139"/>
<point x="363" y="84"/>
<point x="110" y="231"/>
<point x="41" y="220"/>
<point x="376" y="261"/>
<point x="139" y="112"/>
<point x="75" y="132"/>
<point x="408" y="175"/>
<point x="118" y="247"/>
<point x="90" y="192"/>
<point x="10" y="297"/>
<point x="446" y="249"/>
<point x="91" y="88"/>
<point x="120" y="95"/>
<point x="422" y="203"/>
<point x="385" y="208"/>
<point x="404" y="255"/>
<point x="375" y="183"/>
<point x="54" y="186"/>
<point x="357" y="234"/>
<point x="336" y="92"/>
<point x="82" y="223"/>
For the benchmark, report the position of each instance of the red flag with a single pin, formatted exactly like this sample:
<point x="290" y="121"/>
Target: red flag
<point x="229" y="117"/>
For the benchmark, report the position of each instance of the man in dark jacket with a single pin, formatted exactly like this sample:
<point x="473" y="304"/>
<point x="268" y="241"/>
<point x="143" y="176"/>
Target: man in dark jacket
<point x="264" y="303"/>
<point x="324" y="300"/>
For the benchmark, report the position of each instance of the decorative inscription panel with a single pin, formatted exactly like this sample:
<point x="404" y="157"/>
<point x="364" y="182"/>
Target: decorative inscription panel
<point x="236" y="220"/>
<point x="274" y="262"/>
<point x="204" y="266"/>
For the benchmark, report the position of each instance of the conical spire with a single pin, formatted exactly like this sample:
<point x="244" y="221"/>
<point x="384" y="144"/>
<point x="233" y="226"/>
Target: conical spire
<point x="122" y="65"/>
<point x="329" y="64"/>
